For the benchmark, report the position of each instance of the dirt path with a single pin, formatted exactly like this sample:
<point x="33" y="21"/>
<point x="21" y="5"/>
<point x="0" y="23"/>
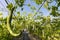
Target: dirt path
<point x="32" y="38"/>
<point x="26" y="36"/>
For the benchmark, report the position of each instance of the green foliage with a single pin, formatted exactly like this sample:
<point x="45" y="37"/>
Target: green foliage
<point x="33" y="8"/>
<point x="1" y="16"/>
<point x="19" y="2"/>
<point x="46" y="5"/>
<point x="4" y="34"/>
<point x="29" y="5"/>
<point x="43" y="27"/>
<point x="59" y="4"/>
<point x="45" y="31"/>
<point x="54" y="11"/>
<point x="38" y="1"/>
<point x="10" y="6"/>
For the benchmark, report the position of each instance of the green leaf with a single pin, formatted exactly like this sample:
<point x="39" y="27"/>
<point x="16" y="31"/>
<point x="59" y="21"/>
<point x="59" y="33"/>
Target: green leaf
<point x="53" y="12"/>
<point x="10" y="6"/>
<point x="38" y="1"/>
<point x="33" y="8"/>
<point x="58" y="4"/>
<point x="46" y="5"/>
<point x="29" y="5"/>
<point x="20" y="2"/>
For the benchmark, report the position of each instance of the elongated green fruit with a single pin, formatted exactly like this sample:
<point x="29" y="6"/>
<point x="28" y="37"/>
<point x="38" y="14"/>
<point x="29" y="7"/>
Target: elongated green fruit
<point x="9" y="18"/>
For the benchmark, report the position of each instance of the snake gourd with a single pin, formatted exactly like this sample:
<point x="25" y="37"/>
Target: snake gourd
<point x="9" y="19"/>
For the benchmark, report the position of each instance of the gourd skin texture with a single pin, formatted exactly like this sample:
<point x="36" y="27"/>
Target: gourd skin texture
<point x="9" y="19"/>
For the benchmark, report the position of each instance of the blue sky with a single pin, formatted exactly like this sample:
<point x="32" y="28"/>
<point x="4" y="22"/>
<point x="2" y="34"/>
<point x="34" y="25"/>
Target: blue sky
<point x="26" y="8"/>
